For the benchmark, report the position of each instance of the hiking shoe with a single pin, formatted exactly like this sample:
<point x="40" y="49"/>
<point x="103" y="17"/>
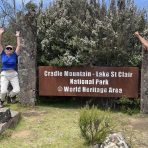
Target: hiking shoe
<point x="8" y="99"/>
<point x="1" y="104"/>
<point x="13" y="100"/>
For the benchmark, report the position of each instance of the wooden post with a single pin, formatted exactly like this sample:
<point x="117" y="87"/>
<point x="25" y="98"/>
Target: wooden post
<point x="144" y="82"/>
<point x="27" y="60"/>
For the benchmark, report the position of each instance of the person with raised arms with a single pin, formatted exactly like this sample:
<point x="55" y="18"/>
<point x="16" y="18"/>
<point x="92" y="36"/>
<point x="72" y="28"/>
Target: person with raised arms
<point x="9" y="68"/>
<point x="143" y="41"/>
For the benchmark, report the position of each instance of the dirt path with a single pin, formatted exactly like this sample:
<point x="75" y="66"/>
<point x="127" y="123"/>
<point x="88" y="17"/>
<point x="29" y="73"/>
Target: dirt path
<point x="140" y="131"/>
<point x="140" y="124"/>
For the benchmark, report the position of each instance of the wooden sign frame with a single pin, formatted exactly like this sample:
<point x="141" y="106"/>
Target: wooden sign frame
<point x="89" y="81"/>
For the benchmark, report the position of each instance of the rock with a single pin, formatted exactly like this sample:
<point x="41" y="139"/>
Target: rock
<point x="111" y="145"/>
<point x="15" y="116"/>
<point x="5" y="115"/>
<point x="115" y="140"/>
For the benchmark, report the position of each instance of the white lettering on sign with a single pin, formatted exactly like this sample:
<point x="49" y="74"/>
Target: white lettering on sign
<point x="102" y="74"/>
<point x="94" y="89"/>
<point x="125" y="74"/>
<point x="53" y="73"/>
<point x="89" y="81"/>
<point x="81" y="81"/>
<point x="77" y="74"/>
<point x="101" y="82"/>
<point x="87" y="74"/>
<point x="114" y="90"/>
<point x="113" y="74"/>
<point x="72" y="89"/>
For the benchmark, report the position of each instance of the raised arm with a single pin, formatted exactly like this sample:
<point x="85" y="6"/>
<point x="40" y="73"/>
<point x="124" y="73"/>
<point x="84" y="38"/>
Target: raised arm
<point x="142" y="40"/>
<point x="1" y="34"/>
<point x="18" y="47"/>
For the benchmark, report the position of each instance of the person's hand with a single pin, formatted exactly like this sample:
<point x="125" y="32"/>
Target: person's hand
<point x="17" y="33"/>
<point x="136" y="34"/>
<point x="1" y="30"/>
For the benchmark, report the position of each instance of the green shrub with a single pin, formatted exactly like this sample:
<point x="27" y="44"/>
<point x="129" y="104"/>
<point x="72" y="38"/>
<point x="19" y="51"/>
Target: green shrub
<point x="95" y="125"/>
<point x="129" y="106"/>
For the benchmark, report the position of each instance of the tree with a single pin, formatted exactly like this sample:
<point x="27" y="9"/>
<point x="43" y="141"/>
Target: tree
<point x="121" y="4"/>
<point x="7" y="12"/>
<point x="103" y="9"/>
<point x="84" y="33"/>
<point x="112" y="8"/>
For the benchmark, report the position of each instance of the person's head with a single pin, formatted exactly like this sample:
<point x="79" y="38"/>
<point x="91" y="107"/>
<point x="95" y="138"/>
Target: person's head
<point x="9" y="49"/>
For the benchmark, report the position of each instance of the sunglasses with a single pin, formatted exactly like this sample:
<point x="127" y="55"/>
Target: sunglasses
<point x="9" y="48"/>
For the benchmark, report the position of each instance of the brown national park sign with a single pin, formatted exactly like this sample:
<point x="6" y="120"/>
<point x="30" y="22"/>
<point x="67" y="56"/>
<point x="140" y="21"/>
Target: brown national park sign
<point x="88" y="81"/>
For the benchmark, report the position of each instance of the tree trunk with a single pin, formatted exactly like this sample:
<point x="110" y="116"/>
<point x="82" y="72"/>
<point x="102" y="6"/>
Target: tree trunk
<point x="144" y="82"/>
<point x="27" y="60"/>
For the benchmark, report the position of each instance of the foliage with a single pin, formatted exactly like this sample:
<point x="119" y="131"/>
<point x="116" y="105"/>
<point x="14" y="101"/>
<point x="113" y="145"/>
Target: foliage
<point x="83" y="32"/>
<point x="129" y="106"/>
<point x="12" y="21"/>
<point x="9" y="36"/>
<point x="90" y="33"/>
<point x="31" y="6"/>
<point x="94" y="125"/>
